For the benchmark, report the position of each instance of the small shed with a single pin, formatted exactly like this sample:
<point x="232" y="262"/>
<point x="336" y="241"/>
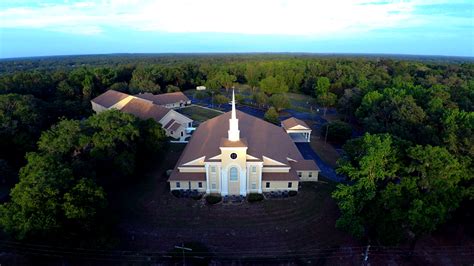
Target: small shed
<point x="298" y="130"/>
<point x="201" y="88"/>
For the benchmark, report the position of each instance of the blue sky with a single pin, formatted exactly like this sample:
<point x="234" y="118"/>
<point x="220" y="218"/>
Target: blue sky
<point x="39" y="28"/>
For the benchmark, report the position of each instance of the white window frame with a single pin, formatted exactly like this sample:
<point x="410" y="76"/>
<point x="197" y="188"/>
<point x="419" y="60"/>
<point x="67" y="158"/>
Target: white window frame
<point x="236" y="177"/>
<point x="178" y="184"/>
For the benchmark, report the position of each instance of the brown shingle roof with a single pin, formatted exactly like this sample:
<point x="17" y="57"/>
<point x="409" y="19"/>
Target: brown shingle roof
<point x="145" y="110"/>
<point x="304" y="165"/>
<point x="290" y="176"/>
<point x="177" y="176"/>
<point x="263" y="139"/>
<point x="109" y="98"/>
<point x="165" y="98"/>
<point x="292" y="122"/>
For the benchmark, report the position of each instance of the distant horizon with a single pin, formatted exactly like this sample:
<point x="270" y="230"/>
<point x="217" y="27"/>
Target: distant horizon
<point x="71" y="27"/>
<point x="322" y="54"/>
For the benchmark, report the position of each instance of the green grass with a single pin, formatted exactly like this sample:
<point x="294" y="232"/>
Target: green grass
<point x="198" y="114"/>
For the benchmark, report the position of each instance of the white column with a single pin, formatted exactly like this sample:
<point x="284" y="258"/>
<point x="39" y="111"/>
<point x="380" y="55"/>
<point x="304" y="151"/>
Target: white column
<point x="207" y="179"/>
<point x="243" y="182"/>
<point x="224" y="185"/>
<point x="260" y="170"/>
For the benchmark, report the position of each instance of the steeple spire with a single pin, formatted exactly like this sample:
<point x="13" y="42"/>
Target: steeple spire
<point x="234" y="133"/>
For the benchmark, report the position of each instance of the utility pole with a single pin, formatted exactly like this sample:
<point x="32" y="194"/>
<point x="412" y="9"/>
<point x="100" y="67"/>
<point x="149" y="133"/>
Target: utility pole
<point x="327" y="130"/>
<point x="366" y="256"/>
<point x="183" y="248"/>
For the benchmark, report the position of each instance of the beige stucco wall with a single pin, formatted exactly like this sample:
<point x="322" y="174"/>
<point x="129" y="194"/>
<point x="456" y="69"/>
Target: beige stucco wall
<point x="97" y="108"/>
<point x="185" y="185"/>
<point x="305" y="175"/>
<point x="253" y="179"/>
<point x="214" y="178"/>
<point x="279" y="185"/>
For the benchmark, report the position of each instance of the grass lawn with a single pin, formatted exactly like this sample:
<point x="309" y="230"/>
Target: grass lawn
<point x="198" y="114"/>
<point x="301" y="102"/>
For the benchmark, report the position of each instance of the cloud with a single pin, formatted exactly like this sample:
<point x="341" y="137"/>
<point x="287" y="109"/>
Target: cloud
<point x="276" y="17"/>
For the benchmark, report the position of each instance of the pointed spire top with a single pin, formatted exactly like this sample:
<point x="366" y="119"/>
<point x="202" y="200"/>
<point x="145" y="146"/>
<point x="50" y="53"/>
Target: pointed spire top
<point x="233" y="105"/>
<point x="234" y="133"/>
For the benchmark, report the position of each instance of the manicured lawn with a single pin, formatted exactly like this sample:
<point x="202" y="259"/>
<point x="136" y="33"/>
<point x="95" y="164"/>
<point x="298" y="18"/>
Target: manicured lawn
<point x="198" y="114"/>
<point x="301" y="102"/>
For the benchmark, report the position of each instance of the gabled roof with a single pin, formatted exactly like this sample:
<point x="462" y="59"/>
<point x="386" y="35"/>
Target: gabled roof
<point x="305" y="165"/>
<point x="165" y="98"/>
<point x="263" y="139"/>
<point x="109" y="98"/>
<point x="144" y="109"/>
<point x="293" y="122"/>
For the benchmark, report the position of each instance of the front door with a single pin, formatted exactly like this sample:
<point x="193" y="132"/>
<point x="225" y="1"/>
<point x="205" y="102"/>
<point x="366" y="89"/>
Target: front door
<point x="234" y="181"/>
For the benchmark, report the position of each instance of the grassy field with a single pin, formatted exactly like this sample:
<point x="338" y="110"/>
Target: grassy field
<point x="198" y="114"/>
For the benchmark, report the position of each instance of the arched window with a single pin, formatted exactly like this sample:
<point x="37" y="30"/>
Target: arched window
<point x="234" y="176"/>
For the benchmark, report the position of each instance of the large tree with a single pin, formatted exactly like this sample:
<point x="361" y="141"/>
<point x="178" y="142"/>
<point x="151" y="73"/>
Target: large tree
<point x="273" y="84"/>
<point x="60" y="189"/>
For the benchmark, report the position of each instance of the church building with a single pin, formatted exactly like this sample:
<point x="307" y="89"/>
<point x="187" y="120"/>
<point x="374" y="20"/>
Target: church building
<point x="237" y="154"/>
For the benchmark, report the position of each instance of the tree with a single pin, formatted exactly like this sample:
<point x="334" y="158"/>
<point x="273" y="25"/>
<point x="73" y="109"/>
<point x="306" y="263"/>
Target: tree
<point x="144" y="80"/>
<point x="225" y="80"/>
<point x="220" y="99"/>
<point x="280" y="102"/>
<point x="271" y="115"/>
<point x="119" y="86"/>
<point x="323" y="96"/>
<point x="273" y="84"/>
<point x="260" y="98"/>
<point x="62" y="186"/>
<point x="322" y="86"/>
<point x="327" y="100"/>
<point x="369" y="161"/>
<point x="252" y="75"/>
<point x="337" y="131"/>
<point x="395" y="112"/>
<point x="21" y="123"/>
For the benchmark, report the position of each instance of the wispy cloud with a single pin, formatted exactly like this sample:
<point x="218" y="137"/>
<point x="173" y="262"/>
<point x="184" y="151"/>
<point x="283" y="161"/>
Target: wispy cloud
<point x="296" y="17"/>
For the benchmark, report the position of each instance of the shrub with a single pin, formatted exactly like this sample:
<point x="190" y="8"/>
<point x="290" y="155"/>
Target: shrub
<point x="338" y="131"/>
<point x="254" y="197"/>
<point x="292" y="193"/>
<point x="213" y="198"/>
<point x="176" y="193"/>
<point x="172" y="88"/>
<point x="271" y="116"/>
<point x="201" y="95"/>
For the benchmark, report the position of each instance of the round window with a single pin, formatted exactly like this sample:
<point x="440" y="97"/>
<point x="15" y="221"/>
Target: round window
<point x="233" y="155"/>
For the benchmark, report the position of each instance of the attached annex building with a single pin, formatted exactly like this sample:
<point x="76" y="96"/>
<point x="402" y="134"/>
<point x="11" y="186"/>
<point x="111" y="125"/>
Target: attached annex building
<point x="236" y="154"/>
<point x="143" y="106"/>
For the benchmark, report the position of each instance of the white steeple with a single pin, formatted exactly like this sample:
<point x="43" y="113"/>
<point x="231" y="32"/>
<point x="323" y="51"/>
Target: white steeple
<point x="234" y="133"/>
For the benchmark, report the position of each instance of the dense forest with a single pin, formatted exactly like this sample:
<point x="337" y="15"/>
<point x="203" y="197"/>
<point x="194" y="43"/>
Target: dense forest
<point x="407" y="175"/>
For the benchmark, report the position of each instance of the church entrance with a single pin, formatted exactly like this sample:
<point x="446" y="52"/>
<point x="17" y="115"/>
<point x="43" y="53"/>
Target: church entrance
<point x="234" y="181"/>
